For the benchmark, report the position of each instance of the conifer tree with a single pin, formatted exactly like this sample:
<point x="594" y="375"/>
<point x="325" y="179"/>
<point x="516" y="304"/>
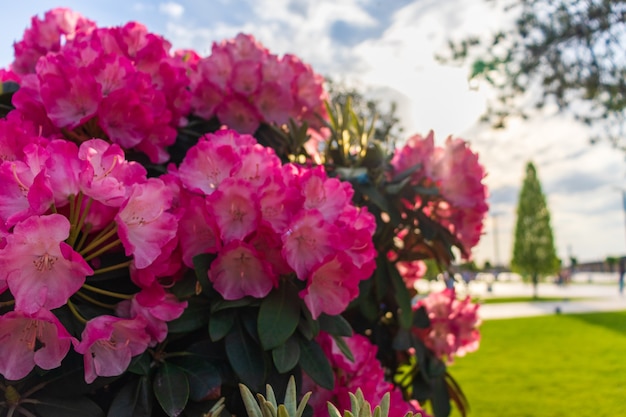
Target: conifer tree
<point x="534" y="254"/>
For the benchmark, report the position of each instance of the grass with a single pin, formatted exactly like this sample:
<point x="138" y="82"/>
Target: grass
<point x="549" y="366"/>
<point x="500" y="300"/>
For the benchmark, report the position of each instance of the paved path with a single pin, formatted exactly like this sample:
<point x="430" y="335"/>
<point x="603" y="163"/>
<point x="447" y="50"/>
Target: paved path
<point x="576" y="298"/>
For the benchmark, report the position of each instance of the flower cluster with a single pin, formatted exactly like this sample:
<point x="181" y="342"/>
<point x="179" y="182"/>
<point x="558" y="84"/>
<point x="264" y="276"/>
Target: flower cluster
<point x="118" y="83"/>
<point x="454" y="169"/>
<point x="264" y="220"/>
<point x="62" y="207"/>
<point x="363" y="372"/>
<point x="244" y="85"/>
<point x="103" y="249"/>
<point x="453" y="329"/>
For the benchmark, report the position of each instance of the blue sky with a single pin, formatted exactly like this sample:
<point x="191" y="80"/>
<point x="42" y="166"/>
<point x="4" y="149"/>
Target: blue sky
<point x="387" y="48"/>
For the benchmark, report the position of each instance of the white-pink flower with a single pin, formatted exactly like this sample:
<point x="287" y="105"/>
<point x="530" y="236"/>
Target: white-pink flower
<point x="108" y="343"/>
<point x="41" y="270"/>
<point x="27" y="340"/>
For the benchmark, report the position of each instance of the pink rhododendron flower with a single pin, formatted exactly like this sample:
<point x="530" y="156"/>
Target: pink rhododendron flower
<point x="331" y="286"/>
<point x="309" y="241"/>
<point x="411" y="271"/>
<point x="106" y="175"/>
<point x="207" y="164"/>
<point x="197" y="230"/>
<point x="41" y="270"/>
<point x="235" y="209"/>
<point x="417" y="151"/>
<point x="453" y="327"/>
<point x="455" y="172"/>
<point x="46" y="35"/>
<point x="244" y="85"/>
<point x="239" y="271"/>
<point x="108" y="343"/>
<point x="144" y="222"/>
<point x="27" y="340"/>
<point x="156" y="307"/>
<point x="24" y="186"/>
<point x="365" y="373"/>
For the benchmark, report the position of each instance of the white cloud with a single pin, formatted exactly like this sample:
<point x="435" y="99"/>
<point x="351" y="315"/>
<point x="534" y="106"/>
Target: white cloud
<point x="171" y="9"/>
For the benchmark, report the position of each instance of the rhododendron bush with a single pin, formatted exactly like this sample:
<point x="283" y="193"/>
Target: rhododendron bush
<point x="172" y="225"/>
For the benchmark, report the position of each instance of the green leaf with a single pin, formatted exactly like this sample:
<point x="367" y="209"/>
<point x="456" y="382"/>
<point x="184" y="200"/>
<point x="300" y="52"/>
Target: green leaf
<point x="185" y="287"/>
<point x="278" y="317"/>
<point x="201" y="264"/>
<point x="335" y="325"/>
<point x="220" y="324"/>
<point x="287" y="355"/>
<point x="405" y="312"/>
<point x="171" y="389"/>
<point x="67" y="407"/>
<point x="140" y="365"/>
<point x="226" y="304"/>
<point x="440" y="398"/>
<point x="308" y="326"/>
<point x="246" y="358"/>
<point x="133" y="400"/>
<point x="343" y="347"/>
<point x="204" y="379"/>
<point x="402" y="340"/>
<point x="195" y="316"/>
<point x="420" y="318"/>
<point x="456" y="395"/>
<point x="435" y="368"/>
<point x="315" y="363"/>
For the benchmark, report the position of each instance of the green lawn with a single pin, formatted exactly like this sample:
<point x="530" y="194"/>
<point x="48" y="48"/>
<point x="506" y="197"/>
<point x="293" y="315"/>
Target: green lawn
<point x="500" y="300"/>
<point x="550" y="366"/>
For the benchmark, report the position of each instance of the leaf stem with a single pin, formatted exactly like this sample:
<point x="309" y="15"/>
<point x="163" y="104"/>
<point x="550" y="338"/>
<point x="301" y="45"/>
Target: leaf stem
<point x="75" y="312"/>
<point x="94" y="301"/>
<point x="112" y="268"/>
<point x="106" y="292"/>
<point x="102" y="250"/>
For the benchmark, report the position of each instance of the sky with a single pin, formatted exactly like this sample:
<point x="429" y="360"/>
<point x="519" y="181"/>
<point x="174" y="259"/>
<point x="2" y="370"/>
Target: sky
<point x="387" y="48"/>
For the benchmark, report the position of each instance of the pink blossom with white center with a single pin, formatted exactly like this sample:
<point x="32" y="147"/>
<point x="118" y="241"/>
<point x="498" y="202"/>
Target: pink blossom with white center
<point x="239" y="271"/>
<point x="329" y="196"/>
<point x="33" y="339"/>
<point x="331" y="286"/>
<point x="157" y="307"/>
<point x="41" y="270"/>
<point x="231" y="138"/>
<point x="235" y="209"/>
<point x="278" y="205"/>
<point x="309" y="240"/>
<point x="108" y="343"/>
<point x="144" y="222"/>
<point x="207" y="164"/>
<point x="106" y="175"/>
<point x="258" y="165"/>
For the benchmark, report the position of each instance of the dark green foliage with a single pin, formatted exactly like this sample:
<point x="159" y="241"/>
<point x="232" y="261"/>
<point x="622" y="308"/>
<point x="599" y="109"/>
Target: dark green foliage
<point x="563" y="52"/>
<point x="533" y="249"/>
